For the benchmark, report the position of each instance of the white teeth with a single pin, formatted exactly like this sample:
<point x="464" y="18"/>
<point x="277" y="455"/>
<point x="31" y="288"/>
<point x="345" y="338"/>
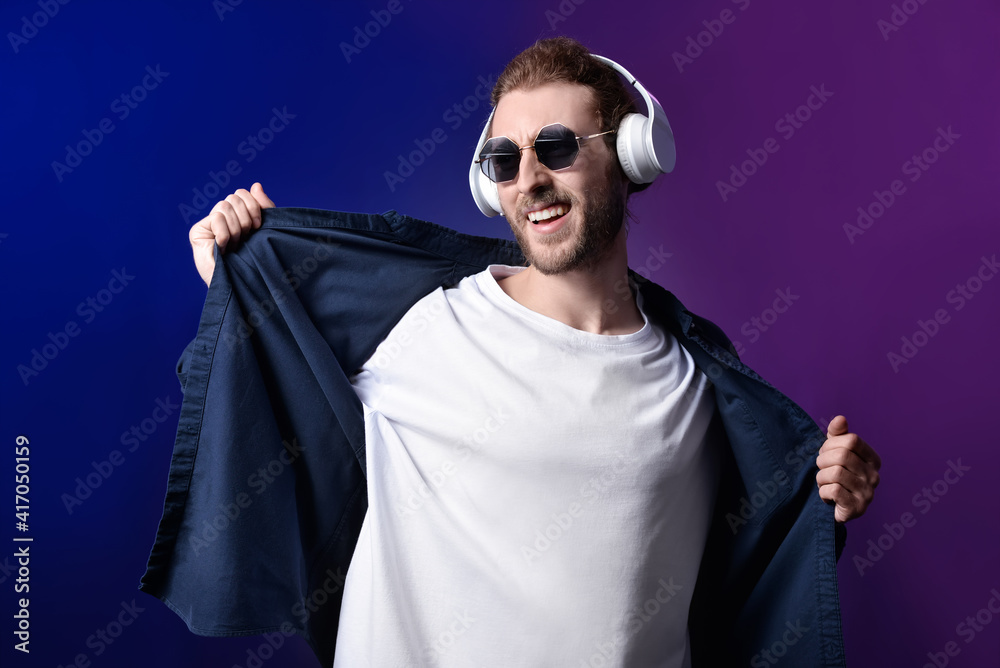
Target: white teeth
<point x="545" y="214"/>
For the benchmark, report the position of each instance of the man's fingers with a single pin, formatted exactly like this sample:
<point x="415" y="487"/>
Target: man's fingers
<point x="855" y="444"/>
<point x="854" y="482"/>
<point x="234" y="218"/>
<point x="837" y="427"/>
<point x="843" y="457"/>
<point x="867" y="453"/>
<point x="257" y="190"/>
<point x="848" y="505"/>
<point x="860" y="458"/>
<point x="220" y="226"/>
<point x="243" y="211"/>
<point x="228" y="223"/>
<point x="838" y="437"/>
<point x="232" y="221"/>
<point x="202" y="230"/>
<point x="848" y="471"/>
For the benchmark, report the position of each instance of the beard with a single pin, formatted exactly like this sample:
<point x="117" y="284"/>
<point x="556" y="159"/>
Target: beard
<point x="603" y="213"/>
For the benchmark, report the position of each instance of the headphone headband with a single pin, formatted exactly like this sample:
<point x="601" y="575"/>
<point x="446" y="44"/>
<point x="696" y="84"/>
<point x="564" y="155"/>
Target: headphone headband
<point x="645" y="146"/>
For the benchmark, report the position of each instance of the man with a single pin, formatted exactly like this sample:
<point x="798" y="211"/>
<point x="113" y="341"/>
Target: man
<point x="583" y="526"/>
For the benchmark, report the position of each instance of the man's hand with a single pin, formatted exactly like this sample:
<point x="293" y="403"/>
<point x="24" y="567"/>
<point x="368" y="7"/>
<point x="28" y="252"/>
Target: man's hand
<point x="229" y="221"/>
<point x="848" y="471"/>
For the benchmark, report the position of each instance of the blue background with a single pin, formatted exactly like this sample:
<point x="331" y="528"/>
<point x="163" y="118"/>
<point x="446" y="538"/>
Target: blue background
<point x="351" y="117"/>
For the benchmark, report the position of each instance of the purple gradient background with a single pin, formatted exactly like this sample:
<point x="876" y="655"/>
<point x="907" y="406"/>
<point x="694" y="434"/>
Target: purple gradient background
<point x="782" y="230"/>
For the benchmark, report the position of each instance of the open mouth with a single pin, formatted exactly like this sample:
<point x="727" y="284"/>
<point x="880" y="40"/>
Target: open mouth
<point x="548" y="214"/>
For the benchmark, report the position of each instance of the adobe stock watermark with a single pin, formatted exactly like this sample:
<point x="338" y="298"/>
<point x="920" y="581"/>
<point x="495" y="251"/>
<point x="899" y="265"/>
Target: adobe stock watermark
<point x="898" y="17"/>
<point x="104" y="637"/>
<point x="332" y="585"/>
<point x="268" y="647"/>
<point x="757" y="499"/>
<point x="89" y="309"/>
<point x="122" y="106"/>
<point x="401" y="338"/>
<point x="445" y="640"/>
<point x="696" y="44"/>
<point x="472" y="443"/>
<point x="7" y="569"/>
<point x="250" y="148"/>
<point x="561" y="522"/>
<point x="758" y="324"/>
<point x="272" y="642"/>
<point x="749" y="505"/>
<point x="223" y="7"/>
<point x="610" y="647"/>
<point x="772" y="654"/>
<point x="258" y="482"/>
<point x="30" y="26"/>
<point x="562" y="12"/>
<point x="363" y="35"/>
<point x="454" y="116"/>
<point x="914" y="168"/>
<point x="922" y="501"/>
<point x="968" y="630"/>
<point x="655" y="260"/>
<point x="131" y="439"/>
<point x="23" y="586"/>
<point x="958" y="297"/>
<point x="787" y="126"/>
<point x="257" y="313"/>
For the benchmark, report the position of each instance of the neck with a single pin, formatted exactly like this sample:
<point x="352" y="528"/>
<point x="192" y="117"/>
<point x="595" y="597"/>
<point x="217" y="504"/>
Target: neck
<point x="597" y="299"/>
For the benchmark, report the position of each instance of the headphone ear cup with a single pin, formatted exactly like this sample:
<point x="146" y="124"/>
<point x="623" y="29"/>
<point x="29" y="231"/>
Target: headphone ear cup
<point x="631" y="154"/>
<point x="490" y="195"/>
<point x="646" y="146"/>
<point x="484" y="192"/>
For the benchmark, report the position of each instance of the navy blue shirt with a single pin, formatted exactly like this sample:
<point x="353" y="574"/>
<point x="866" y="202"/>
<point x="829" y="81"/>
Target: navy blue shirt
<point x="267" y="491"/>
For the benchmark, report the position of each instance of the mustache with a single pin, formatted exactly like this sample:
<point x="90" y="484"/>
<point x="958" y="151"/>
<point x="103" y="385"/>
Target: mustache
<point x="544" y="198"/>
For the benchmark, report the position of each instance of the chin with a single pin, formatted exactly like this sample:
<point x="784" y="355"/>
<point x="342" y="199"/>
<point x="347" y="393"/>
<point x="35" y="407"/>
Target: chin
<point x="552" y="254"/>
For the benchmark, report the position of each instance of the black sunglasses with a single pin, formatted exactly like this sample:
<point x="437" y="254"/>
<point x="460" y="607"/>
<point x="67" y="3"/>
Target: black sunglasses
<point x="556" y="147"/>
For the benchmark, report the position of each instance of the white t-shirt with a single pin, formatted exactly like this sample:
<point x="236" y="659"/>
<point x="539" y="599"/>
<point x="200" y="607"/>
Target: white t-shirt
<point x="538" y="495"/>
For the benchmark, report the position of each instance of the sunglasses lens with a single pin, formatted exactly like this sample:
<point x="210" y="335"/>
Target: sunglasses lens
<point x="500" y="159"/>
<point x="556" y="146"/>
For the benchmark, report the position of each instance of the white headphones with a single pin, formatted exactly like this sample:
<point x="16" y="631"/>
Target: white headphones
<point x="645" y="147"/>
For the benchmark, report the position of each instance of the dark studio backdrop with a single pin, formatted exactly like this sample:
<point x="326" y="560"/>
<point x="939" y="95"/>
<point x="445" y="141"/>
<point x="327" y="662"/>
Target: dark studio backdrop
<point x="833" y="209"/>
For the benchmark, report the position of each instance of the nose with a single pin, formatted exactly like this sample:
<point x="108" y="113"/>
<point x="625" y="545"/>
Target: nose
<point x="531" y="174"/>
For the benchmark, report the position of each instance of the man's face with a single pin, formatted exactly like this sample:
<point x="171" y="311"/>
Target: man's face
<point x="591" y="192"/>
